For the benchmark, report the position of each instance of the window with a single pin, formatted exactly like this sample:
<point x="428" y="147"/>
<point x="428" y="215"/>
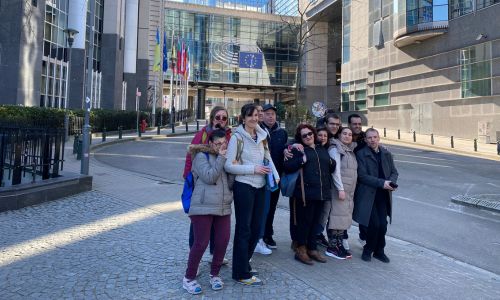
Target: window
<point x="475" y="70"/>
<point x="346" y="31"/>
<point x="381" y="88"/>
<point x="460" y="7"/>
<point x="485" y="3"/>
<point x="345" y="96"/>
<point x="359" y="102"/>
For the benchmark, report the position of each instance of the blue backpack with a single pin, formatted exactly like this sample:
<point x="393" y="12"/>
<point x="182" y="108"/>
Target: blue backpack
<point x="187" y="191"/>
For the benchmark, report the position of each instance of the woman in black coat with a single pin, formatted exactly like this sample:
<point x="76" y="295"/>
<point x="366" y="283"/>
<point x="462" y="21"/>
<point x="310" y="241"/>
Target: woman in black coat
<point x="317" y="167"/>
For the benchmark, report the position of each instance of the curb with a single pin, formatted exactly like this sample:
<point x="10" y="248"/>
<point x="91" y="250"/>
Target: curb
<point x="476" y="202"/>
<point x="131" y="139"/>
<point x="441" y="149"/>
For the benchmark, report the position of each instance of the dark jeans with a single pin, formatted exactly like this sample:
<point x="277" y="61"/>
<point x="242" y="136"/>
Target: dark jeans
<point x="249" y="205"/>
<point x="268" y="231"/>
<point x="362" y="232"/>
<point x="377" y="227"/>
<point x="212" y="239"/>
<point x="201" y="227"/>
<point x="293" y="226"/>
<point x="307" y="218"/>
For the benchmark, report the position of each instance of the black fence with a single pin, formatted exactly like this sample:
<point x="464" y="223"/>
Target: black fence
<point x="30" y="154"/>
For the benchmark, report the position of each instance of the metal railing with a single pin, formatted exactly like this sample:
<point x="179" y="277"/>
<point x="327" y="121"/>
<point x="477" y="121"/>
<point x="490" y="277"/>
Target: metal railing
<point x="30" y="154"/>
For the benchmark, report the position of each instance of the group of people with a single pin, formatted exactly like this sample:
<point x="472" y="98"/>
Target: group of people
<point x="338" y="174"/>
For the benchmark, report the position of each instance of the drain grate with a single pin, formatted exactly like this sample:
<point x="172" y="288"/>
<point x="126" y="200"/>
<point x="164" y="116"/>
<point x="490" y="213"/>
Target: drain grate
<point x="485" y="201"/>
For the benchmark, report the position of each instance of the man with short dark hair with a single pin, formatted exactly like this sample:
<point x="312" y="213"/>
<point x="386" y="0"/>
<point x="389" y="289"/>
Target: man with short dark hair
<point x="277" y="139"/>
<point x="377" y="177"/>
<point x="333" y="123"/>
<point x="358" y="136"/>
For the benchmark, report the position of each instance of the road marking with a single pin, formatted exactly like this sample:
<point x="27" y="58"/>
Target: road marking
<point x="495" y="185"/>
<point x="448" y="209"/>
<point x="468" y="189"/>
<point x="420" y="163"/>
<point x="426" y="157"/>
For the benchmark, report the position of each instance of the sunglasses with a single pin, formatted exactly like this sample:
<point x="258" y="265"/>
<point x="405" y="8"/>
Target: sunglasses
<point x="219" y="118"/>
<point x="305" y="135"/>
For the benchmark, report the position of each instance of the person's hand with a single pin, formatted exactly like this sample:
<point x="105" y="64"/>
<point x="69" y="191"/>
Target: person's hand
<point x="342" y="195"/>
<point x="222" y="151"/>
<point x="387" y="186"/>
<point x="304" y="158"/>
<point x="262" y="170"/>
<point x="299" y="147"/>
<point x="288" y="154"/>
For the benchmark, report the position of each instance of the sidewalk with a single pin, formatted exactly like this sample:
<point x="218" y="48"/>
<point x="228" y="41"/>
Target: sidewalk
<point x="127" y="239"/>
<point x="441" y="143"/>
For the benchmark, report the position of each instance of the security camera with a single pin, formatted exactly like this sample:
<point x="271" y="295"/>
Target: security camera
<point x="481" y="36"/>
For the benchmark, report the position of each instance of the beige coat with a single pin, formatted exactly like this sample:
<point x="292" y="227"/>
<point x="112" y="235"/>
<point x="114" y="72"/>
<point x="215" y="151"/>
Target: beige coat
<point x="340" y="211"/>
<point x="211" y="194"/>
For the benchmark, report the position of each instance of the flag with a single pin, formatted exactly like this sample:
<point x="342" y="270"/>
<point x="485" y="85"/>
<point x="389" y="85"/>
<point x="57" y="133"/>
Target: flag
<point x="165" y="53"/>
<point x="157" y="59"/>
<point x="251" y="60"/>
<point x="188" y="64"/>
<point x="179" y="56"/>
<point x="174" y="54"/>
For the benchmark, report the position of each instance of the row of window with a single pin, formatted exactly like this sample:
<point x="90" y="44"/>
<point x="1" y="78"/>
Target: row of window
<point x="475" y="78"/>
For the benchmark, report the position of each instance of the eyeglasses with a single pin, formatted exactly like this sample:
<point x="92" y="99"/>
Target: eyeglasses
<point x="306" y="135"/>
<point x="223" y="118"/>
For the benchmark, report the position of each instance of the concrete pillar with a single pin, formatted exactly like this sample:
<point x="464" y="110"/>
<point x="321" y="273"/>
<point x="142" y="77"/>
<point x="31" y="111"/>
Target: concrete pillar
<point x="130" y="54"/>
<point x="202" y="93"/>
<point x="77" y="19"/>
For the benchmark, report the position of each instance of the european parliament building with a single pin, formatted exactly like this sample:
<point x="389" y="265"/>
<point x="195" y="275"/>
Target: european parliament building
<point x="428" y="66"/>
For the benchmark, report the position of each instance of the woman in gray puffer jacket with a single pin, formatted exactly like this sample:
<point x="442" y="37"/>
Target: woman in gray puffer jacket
<point x="210" y="205"/>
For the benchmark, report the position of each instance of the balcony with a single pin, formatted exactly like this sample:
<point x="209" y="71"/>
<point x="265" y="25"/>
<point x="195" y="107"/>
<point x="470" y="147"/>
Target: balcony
<point x="415" y="34"/>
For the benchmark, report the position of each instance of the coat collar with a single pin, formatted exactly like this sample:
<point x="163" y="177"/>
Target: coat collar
<point x="261" y="133"/>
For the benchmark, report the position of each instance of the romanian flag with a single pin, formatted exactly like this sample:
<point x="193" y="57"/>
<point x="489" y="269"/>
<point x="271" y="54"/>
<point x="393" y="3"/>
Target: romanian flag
<point x="157" y="60"/>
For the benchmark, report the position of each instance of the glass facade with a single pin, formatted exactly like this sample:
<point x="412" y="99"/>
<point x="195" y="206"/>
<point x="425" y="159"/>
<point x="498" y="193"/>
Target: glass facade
<point x="353" y="95"/>
<point x="53" y="87"/>
<point x="475" y="70"/>
<point x="217" y="44"/>
<point x="426" y="11"/>
<point x="262" y="6"/>
<point x="286" y="7"/>
<point x="54" y="63"/>
<point x="381" y="88"/>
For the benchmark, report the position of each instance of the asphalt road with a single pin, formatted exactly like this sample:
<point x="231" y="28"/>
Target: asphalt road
<point x="423" y="211"/>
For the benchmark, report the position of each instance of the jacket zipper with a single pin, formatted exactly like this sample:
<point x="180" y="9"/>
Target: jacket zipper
<point x="320" y="176"/>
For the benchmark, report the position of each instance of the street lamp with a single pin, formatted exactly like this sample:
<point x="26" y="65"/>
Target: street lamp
<point x="88" y="94"/>
<point x="71" y="33"/>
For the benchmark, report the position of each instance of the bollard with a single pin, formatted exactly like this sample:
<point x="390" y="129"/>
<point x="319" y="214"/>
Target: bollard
<point x="104" y="134"/>
<point x="385" y="132"/>
<point x="498" y="147"/>
<point x="452" y="143"/>
<point x="120" y="132"/>
<point x="158" y="129"/>
<point x="187" y="128"/>
<point x="414" y="137"/>
<point x="432" y="138"/>
<point x="399" y="134"/>
<point x="139" y="133"/>
<point x="197" y="125"/>
<point x="173" y="127"/>
<point x="475" y="145"/>
<point x="75" y="144"/>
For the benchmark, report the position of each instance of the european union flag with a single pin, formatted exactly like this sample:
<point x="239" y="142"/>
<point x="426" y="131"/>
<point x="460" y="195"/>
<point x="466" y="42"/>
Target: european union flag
<point x="251" y="60"/>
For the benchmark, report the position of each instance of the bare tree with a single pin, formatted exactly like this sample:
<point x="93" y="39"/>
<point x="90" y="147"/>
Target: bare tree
<point x="304" y="29"/>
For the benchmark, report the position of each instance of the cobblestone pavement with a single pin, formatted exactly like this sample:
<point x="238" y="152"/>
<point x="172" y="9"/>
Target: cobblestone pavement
<point x="127" y="239"/>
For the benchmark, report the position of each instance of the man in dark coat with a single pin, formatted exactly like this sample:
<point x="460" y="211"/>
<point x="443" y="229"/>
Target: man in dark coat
<point x="377" y="178"/>
<point x="277" y="141"/>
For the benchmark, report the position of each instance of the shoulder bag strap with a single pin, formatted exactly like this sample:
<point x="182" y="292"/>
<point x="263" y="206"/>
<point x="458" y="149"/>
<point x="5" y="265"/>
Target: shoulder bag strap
<point x="302" y="186"/>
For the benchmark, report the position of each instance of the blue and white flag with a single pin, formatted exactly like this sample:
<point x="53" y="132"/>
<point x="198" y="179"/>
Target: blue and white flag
<point x="251" y="60"/>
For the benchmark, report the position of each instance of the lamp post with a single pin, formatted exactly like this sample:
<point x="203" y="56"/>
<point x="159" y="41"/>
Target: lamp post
<point x="173" y="60"/>
<point x="88" y="94"/>
<point x="71" y="33"/>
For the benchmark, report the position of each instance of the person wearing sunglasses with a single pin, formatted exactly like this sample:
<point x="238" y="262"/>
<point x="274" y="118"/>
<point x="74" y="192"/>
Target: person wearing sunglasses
<point x="310" y="193"/>
<point x="218" y="120"/>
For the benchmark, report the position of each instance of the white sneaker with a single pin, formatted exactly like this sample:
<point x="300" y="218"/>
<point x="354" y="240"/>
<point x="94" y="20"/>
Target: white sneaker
<point x="345" y="243"/>
<point x="191" y="286"/>
<point x="362" y="242"/>
<point x="262" y="248"/>
<point x="216" y="283"/>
